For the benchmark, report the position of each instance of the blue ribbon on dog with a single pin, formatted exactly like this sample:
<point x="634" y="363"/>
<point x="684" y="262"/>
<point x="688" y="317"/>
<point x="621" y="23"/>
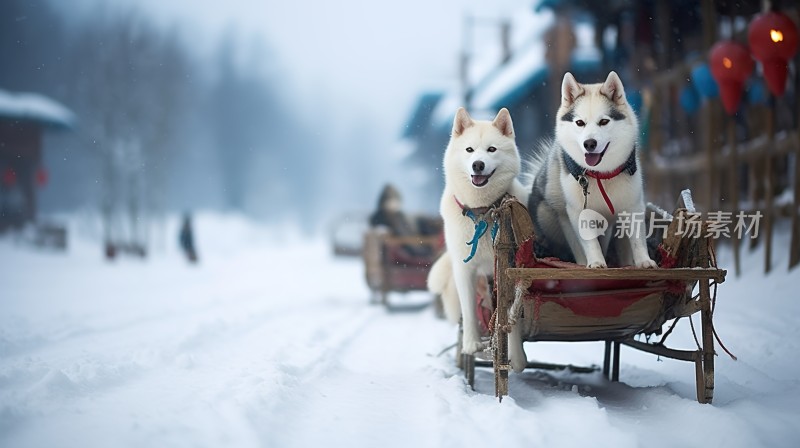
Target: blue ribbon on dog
<point x="480" y="229"/>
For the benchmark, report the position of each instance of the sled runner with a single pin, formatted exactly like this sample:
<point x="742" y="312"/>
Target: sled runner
<point x="399" y="263"/>
<point x="552" y="300"/>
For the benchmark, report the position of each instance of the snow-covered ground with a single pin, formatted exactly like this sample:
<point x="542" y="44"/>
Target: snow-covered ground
<point x="270" y="342"/>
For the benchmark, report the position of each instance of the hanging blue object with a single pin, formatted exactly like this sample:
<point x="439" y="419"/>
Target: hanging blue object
<point x="757" y="92"/>
<point x="480" y="229"/>
<point x="689" y="99"/>
<point x="705" y="83"/>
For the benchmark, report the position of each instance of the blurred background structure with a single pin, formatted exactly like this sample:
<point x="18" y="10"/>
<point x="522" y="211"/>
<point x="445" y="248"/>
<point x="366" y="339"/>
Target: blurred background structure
<point x="24" y="118"/>
<point x="745" y="161"/>
<point x="296" y="114"/>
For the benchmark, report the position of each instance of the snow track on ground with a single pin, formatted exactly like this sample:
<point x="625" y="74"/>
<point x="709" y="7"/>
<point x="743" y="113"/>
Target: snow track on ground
<point x="275" y="345"/>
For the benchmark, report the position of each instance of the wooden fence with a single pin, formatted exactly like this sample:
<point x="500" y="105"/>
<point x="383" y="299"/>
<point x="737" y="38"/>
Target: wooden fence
<point x="742" y="165"/>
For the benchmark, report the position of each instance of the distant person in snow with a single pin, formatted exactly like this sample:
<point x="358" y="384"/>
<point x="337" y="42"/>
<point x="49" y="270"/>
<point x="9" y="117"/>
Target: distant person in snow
<point x="389" y="214"/>
<point x="186" y="239"/>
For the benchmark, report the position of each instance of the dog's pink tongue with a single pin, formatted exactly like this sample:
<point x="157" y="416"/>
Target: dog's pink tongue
<point x="592" y="159"/>
<point x="479" y="180"/>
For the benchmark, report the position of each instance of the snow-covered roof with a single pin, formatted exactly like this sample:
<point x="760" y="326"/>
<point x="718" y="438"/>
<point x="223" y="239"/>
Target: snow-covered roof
<point x="528" y="67"/>
<point x="493" y="88"/>
<point x="526" y="28"/>
<point x="504" y="85"/>
<point x="421" y="117"/>
<point x="35" y="107"/>
<point x="446" y="109"/>
<point x="519" y="70"/>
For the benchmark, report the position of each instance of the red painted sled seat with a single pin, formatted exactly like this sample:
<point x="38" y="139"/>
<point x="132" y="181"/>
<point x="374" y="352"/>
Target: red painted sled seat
<point x="398" y="264"/>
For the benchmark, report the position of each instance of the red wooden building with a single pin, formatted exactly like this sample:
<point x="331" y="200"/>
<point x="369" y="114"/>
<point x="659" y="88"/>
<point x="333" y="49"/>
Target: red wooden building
<point x="24" y="118"/>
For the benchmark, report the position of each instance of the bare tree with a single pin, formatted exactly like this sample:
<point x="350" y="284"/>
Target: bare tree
<point x="130" y="85"/>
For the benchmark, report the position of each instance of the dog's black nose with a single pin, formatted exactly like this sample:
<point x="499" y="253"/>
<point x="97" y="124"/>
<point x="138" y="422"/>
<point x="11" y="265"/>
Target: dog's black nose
<point x="590" y="144"/>
<point x="478" y="166"/>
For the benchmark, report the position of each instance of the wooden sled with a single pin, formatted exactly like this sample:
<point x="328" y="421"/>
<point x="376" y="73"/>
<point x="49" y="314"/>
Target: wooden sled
<point x="346" y="234"/>
<point x="552" y="300"/>
<point x="398" y="264"/>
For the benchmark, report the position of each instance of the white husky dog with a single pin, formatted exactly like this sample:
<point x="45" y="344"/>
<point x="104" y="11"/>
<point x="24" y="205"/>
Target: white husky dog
<point x="591" y="165"/>
<point x="481" y="165"/>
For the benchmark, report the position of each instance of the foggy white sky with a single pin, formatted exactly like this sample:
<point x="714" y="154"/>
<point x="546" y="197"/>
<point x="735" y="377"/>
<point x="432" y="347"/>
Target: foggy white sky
<point x="374" y="54"/>
<point x="354" y="68"/>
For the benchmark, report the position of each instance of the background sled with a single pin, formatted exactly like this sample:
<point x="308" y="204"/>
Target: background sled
<point x="346" y="234"/>
<point x="399" y="264"/>
<point x="556" y="301"/>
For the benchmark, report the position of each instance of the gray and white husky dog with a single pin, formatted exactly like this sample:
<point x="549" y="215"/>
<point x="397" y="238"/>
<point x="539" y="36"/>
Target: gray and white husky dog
<point x="592" y="165"/>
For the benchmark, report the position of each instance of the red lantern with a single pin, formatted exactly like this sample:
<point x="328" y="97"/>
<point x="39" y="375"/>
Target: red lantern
<point x="9" y="177"/>
<point x="731" y="65"/>
<point x="42" y="176"/>
<point x="773" y="38"/>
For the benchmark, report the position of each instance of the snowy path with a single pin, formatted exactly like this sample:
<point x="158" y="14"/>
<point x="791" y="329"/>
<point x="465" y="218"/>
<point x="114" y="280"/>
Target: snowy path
<point x="244" y="351"/>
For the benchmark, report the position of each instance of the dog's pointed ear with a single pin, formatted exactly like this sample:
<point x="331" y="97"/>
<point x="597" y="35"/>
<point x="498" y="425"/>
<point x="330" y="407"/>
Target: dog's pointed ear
<point x="503" y="122"/>
<point x="612" y="89"/>
<point x="570" y="90"/>
<point x="462" y="121"/>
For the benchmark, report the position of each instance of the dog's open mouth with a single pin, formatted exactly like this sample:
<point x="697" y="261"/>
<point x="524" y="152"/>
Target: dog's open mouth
<point x="594" y="158"/>
<point x="480" y="180"/>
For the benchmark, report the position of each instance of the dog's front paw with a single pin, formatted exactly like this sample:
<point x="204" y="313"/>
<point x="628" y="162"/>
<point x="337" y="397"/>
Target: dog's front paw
<point x="597" y="265"/>
<point x="646" y="264"/>
<point x="518" y="359"/>
<point x="518" y="364"/>
<point x="472" y="346"/>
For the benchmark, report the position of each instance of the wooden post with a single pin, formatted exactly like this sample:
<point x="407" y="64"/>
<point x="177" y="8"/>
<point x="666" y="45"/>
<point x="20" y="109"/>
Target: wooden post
<point x="709" y="24"/>
<point x="734" y="189"/>
<point x="469" y="370"/>
<point x="656" y="141"/>
<point x="711" y="155"/>
<point x="707" y="327"/>
<point x="615" y="363"/>
<point x="768" y="188"/>
<point x="607" y="360"/>
<point x="504" y="256"/>
<point x="708" y="341"/>
<point x="707" y="184"/>
<point x="699" y="377"/>
<point x="709" y="18"/>
<point x="663" y="9"/>
<point x="755" y="167"/>
<point x="794" y="249"/>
